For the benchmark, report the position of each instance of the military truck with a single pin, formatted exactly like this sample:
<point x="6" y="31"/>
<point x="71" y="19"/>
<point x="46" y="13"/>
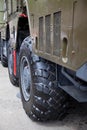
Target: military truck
<point x="47" y="54"/>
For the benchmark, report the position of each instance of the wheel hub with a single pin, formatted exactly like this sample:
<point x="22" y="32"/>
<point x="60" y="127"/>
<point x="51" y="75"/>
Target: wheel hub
<point x="25" y="78"/>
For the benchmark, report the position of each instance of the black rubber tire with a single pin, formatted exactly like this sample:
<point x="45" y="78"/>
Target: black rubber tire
<point x="47" y="101"/>
<point x="4" y="59"/>
<point x="12" y="77"/>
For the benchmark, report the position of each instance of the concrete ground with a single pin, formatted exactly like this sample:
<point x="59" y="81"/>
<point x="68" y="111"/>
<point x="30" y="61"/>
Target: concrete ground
<point x="13" y="117"/>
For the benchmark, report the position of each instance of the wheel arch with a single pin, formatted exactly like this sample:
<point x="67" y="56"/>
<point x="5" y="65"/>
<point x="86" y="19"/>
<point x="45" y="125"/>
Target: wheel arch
<point x="23" y="25"/>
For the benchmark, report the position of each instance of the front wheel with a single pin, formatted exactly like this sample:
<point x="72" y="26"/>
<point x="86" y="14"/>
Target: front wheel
<point x="41" y="97"/>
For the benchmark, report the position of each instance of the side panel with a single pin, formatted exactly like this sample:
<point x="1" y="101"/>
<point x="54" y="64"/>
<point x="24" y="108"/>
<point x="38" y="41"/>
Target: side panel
<point x="80" y="34"/>
<point x="58" y="30"/>
<point x="2" y="13"/>
<point x="51" y="26"/>
<point x="14" y="8"/>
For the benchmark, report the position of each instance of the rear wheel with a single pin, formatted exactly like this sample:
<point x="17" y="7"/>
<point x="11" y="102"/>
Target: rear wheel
<point x="41" y="97"/>
<point x="4" y="59"/>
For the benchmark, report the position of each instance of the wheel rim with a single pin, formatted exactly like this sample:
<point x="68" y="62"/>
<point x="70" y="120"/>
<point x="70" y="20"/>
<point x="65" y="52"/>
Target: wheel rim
<point x="25" y="76"/>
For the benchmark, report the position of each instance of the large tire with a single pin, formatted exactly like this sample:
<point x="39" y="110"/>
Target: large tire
<point x="41" y="97"/>
<point x="12" y="77"/>
<point x="4" y="59"/>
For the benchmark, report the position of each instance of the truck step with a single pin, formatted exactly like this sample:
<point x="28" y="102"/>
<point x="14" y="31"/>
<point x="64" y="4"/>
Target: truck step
<point x="79" y="95"/>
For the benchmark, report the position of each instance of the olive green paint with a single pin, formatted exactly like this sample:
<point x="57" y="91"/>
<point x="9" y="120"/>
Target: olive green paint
<point x="70" y="49"/>
<point x="73" y="29"/>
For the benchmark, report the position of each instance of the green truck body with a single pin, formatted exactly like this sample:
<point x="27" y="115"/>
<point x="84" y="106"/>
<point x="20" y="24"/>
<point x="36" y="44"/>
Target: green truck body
<point x="60" y="30"/>
<point x="56" y="30"/>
